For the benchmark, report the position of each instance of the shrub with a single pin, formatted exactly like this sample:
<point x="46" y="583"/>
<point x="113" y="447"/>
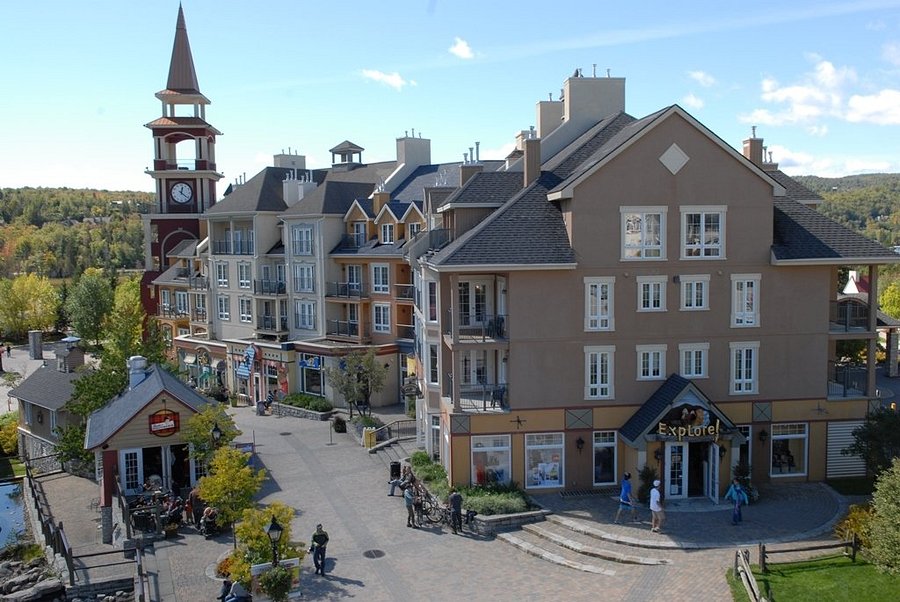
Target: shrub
<point x="884" y="535"/>
<point x="339" y="425"/>
<point x="276" y="583"/>
<point x="319" y="404"/>
<point x="647" y="476"/>
<point x="858" y="522"/>
<point x="496" y="498"/>
<point x="741" y="472"/>
<point x="9" y="434"/>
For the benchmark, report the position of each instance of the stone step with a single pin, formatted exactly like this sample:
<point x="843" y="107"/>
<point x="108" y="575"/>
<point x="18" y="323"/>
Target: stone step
<point x="642" y="538"/>
<point x="545" y="550"/>
<point x="586" y="545"/>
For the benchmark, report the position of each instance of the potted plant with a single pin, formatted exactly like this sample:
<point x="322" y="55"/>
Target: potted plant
<point x="276" y="583"/>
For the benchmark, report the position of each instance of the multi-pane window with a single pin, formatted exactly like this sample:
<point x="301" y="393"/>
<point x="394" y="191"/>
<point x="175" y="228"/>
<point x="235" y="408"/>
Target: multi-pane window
<point x="221" y="273"/>
<point x="789" y="449"/>
<point x="359" y="234"/>
<point x="643" y="232"/>
<point x="224" y="306"/>
<point x="651" y="292"/>
<point x="181" y="302"/>
<point x="694" y="292"/>
<point x="354" y="280"/>
<point x="243" y="275"/>
<point x="165" y="299"/>
<point x="304" y="278"/>
<point x="604" y="457"/>
<point x="744" y="367"/>
<point x="433" y="372"/>
<point x="412" y="229"/>
<point x="382" y="317"/>
<point x="200" y="303"/>
<point x="490" y="459"/>
<point x="702" y="232"/>
<point x="432" y="301"/>
<point x="305" y="315"/>
<point x="651" y="362"/>
<point x="745" y="300"/>
<point x="301" y="240"/>
<point x="693" y="359"/>
<point x="246" y="309"/>
<point x="598" y="368"/>
<point x="380" y="281"/>
<point x="387" y="234"/>
<point x="598" y="303"/>
<point x="544" y="460"/>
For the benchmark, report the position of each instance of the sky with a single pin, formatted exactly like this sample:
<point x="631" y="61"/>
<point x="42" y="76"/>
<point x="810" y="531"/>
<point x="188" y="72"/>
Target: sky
<point x="820" y="79"/>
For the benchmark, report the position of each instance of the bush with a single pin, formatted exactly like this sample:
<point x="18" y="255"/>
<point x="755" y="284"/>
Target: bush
<point x="647" y="476"/>
<point x="276" y="583"/>
<point x="339" y="425"/>
<point x="319" y="404"/>
<point x="9" y="434"/>
<point x="858" y="522"/>
<point x="496" y="498"/>
<point x="884" y="535"/>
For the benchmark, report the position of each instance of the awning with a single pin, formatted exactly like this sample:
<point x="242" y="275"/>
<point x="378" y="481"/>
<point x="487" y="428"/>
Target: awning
<point x="242" y="370"/>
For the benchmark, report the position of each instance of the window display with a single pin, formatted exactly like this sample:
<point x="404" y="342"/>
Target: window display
<point x="789" y="449"/>
<point x="544" y="460"/>
<point x="604" y="457"/>
<point x="490" y="459"/>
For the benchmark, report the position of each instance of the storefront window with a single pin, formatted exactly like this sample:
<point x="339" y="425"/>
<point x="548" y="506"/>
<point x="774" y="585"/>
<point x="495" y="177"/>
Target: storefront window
<point x="490" y="459"/>
<point x="311" y="374"/>
<point x="544" y="460"/>
<point x="604" y="457"/>
<point x="789" y="449"/>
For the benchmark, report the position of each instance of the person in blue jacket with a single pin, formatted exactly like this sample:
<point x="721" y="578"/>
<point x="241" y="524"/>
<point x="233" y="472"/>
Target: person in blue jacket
<point x="739" y="497"/>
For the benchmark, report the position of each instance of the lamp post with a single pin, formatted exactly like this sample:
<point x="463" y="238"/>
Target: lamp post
<point x="216" y="433"/>
<point x="274" y="531"/>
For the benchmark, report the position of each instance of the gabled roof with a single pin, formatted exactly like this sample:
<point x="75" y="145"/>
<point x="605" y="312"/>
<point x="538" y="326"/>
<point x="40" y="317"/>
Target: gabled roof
<point x="346" y="146"/>
<point x="340" y="188"/>
<point x="108" y="420"/>
<point x="186" y="249"/>
<point x="181" y="123"/>
<point x="397" y="209"/>
<point x="439" y="175"/>
<point x="793" y="189"/>
<point x="485" y="189"/>
<point x="48" y="387"/>
<point x="262" y="192"/>
<point x="802" y="235"/>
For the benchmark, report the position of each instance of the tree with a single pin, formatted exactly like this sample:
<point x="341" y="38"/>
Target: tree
<point x="357" y="378"/>
<point x="28" y="302"/>
<point x="255" y="546"/>
<point x="884" y="532"/>
<point x="231" y="483"/>
<point x="91" y="392"/>
<point x="890" y="300"/>
<point x="89" y="302"/>
<point x="877" y="440"/>
<point x="198" y="427"/>
<point x="124" y="326"/>
<point x="9" y="434"/>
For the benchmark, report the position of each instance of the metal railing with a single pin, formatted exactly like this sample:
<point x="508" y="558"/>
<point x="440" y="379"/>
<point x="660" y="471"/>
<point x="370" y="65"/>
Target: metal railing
<point x="232" y="247"/>
<point x="350" y="242"/>
<point x="199" y="283"/>
<point x="346" y="329"/>
<point x="430" y="240"/>
<point x="478" y="326"/>
<point x="269" y="287"/>
<point x="483" y="397"/>
<point x="405" y="291"/>
<point x="847" y="380"/>
<point x="848" y="314"/>
<point x="172" y="312"/>
<point x="398" y="429"/>
<point x="349" y="290"/>
<point x="272" y="323"/>
<point x="199" y="315"/>
<point x="406" y="332"/>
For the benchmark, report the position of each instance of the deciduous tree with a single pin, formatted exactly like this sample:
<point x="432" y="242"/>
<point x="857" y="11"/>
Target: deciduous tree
<point x="358" y="377"/>
<point x="231" y="483"/>
<point x="198" y="428"/>
<point x="884" y="532"/>
<point x="90" y="301"/>
<point x="28" y="302"/>
<point x="877" y="440"/>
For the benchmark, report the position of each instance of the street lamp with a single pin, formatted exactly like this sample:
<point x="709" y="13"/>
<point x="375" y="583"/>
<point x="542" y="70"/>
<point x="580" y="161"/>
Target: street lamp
<point x="274" y="531"/>
<point x="216" y="433"/>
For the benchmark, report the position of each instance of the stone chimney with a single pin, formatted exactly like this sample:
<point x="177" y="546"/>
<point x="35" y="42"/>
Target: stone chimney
<point x="753" y="148"/>
<point x="379" y="200"/>
<point x="70" y="358"/>
<point x="532" y="160"/>
<point x="137" y="370"/>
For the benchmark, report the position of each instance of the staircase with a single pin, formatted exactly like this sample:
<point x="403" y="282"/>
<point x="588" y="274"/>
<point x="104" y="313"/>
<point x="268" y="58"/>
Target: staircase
<point x="582" y="546"/>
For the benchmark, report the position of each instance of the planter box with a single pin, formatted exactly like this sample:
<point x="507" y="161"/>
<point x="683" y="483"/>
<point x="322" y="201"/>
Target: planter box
<point x="495" y="523"/>
<point x="282" y="409"/>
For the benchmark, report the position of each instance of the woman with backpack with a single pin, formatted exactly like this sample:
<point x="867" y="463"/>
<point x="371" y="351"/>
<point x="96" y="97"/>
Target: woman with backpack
<point x="737" y="495"/>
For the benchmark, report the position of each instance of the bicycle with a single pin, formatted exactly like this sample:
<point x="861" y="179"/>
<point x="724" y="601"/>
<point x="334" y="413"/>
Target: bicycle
<point x="435" y="512"/>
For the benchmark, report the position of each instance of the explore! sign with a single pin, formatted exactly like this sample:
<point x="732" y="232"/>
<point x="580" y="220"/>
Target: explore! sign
<point x="164" y="423"/>
<point x="689" y="431"/>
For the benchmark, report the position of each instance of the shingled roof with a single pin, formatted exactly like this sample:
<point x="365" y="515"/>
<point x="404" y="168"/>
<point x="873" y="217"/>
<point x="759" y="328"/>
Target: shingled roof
<point x="491" y="188"/>
<point x="262" y="192"/>
<point x="793" y="189"/>
<point x="48" y="387"/>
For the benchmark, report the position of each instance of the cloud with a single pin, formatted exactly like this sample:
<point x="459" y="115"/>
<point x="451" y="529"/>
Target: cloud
<point x="692" y="101"/>
<point x="703" y="78"/>
<point x="890" y="52"/>
<point x="394" y="80"/>
<point x="882" y="108"/>
<point x="461" y="49"/>
<point x="800" y="163"/>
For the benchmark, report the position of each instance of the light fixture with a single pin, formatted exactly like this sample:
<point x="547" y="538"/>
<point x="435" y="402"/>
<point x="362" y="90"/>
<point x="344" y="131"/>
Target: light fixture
<point x="216" y="433"/>
<point x="579" y="444"/>
<point x="658" y="454"/>
<point x="274" y="531"/>
<point x="722" y="452"/>
<point x="763" y="435"/>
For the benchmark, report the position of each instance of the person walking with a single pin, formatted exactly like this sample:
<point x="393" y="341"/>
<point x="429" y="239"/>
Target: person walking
<point x="8" y="350"/>
<point x="626" y="499"/>
<point x="455" y="500"/>
<point x="656" y="508"/>
<point x="739" y="497"/>
<point x="409" y="498"/>
<point x="319" y="541"/>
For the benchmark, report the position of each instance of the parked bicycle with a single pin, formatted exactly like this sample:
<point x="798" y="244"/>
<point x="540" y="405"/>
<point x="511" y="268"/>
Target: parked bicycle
<point x="435" y="512"/>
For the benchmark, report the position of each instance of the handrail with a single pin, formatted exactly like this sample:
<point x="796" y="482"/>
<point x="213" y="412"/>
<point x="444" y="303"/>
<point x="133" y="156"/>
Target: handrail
<point x="400" y="429"/>
<point x="742" y="571"/>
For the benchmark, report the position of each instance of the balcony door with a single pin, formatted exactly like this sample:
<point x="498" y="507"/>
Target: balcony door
<point x="354" y="279"/>
<point x="474" y="303"/>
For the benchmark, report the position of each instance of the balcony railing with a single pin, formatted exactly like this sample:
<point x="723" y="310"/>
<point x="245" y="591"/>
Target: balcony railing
<point x="847" y="380"/>
<point x="269" y="287"/>
<point x="200" y="283"/>
<point x="848" y="314"/>
<point x="272" y="323"/>
<point x="406" y="332"/>
<point x="350" y="242"/>
<point x="232" y="247"/>
<point x="167" y="311"/>
<point x="479" y="327"/>
<point x="430" y="240"/>
<point x="486" y="397"/>
<point x="348" y="290"/>
<point x="199" y="315"/>
<point x="344" y="328"/>
<point x="405" y="291"/>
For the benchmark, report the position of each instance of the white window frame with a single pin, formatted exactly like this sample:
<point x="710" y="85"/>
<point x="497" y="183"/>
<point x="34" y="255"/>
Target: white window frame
<point x="360" y="234"/>
<point x="495" y="448"/>
<point x="532" y="443"/>
<point x="304" y="278"/>
<point x="595" y="318"/>
<point x="745" y="300"/>
<point x="651" y="293"/>
<point x="223" y="307"/>
<point x="381" y="317"/>
<point x="688" y="354"/>
<point x="245" y="309"/>
<point x="597" y="388"/>
<point x="605" y="440"/>
<point x="634" y="221"/>
<point x="53" y="421"/>
<point x="244" y="279"/>
<point x="785" y="434"/>
<point x="651" y="362"/>
<point x="742" y="383"/>
<point x="222" y="274"/>
<point x="387" y="234"/>
<point x="301" y="240"/>
<point x="701" y="249"/>
<point x="381" y="278"/>
<point x="200" y="302"/>
<point x="165" y="299"/>
<point x="434" y="373"/>
<point x="305" y="314"/>
<point x="690" y="286"/>
<point x="181" y="302"/>
<point x="432" y="309"/>
<point x="413" y="228"/>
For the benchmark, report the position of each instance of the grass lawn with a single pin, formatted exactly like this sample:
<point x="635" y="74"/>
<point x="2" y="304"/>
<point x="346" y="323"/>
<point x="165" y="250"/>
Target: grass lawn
<point x="11" y="467"/>
<point x="827" y="578"/>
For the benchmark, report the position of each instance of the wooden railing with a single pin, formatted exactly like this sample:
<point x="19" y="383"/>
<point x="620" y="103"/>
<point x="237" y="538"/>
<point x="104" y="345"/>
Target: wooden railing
<point x="742" y="571"/>
<point x="54" y="535"/>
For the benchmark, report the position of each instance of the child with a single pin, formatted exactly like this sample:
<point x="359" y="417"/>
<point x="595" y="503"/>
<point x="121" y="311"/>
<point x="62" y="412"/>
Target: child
<point x="737" y="494"/>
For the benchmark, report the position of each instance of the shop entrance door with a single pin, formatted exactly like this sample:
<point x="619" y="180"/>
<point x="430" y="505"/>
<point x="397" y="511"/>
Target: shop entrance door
<point x="676" y="476"/>
<point x="131" y="471"/>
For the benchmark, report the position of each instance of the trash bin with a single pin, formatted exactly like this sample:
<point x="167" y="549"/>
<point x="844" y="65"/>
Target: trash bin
<point x="395" y="470"/>
<point x="260" y="408"/>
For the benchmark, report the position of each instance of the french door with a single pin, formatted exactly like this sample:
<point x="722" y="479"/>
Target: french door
<point x="676" y="470"/>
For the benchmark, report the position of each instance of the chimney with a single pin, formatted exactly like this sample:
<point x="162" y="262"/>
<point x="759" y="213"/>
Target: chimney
<point x="379" y="200"/>
<point x="137" y="370"/>
<point x="753" y="148"/>
<point x="467" y="170"/>
<point x="532" y="160"/>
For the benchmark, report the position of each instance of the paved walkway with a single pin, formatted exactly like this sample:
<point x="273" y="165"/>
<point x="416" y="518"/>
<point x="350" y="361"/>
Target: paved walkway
<point x="329" y="478"/>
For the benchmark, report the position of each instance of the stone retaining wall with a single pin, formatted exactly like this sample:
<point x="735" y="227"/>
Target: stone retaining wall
<point x="282" y="409"/>
<point x="492" y="524"/>
<point x="121" y="590"/>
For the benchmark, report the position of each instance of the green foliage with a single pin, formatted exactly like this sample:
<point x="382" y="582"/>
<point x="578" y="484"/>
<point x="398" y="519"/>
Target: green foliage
<point x="858" y="522"/>
<point x="9" y="433"/>
<point x="359" y="376"/>
<point x="70" y="443"/>
<point x="889" y="300"/>
<point x="276" y="583"/>
<point x="307" y="402"/>
<point x="495" y="499"/>
<point x="251" y="533"/>
<point x="124" y="325"/>
<point x="93" y="390"/>
<point x="647" y="475"/>
<point x="828" y="578"/>
<point x="877" y="440"/>
<point x="22" y="551"/>
<point x="198" y="428"/>
<point x="231" y="483"/>
<point x="431" y="473"/>
<point x="89" y="302"/>
<point x="884" y="535"/>
<point x="741" y="472"/>
<point x="339" y="425"/>
<point x="28" y="302"/>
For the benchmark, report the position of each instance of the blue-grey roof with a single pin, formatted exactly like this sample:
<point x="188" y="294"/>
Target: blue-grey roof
<point x="439" y="175"/>
<point x="487" y="187"/>
<point x="48" y="387"/>
<point x="793" y="189"/>
<point x="262" y="192"/>
<point x="331" y="198"/>
<point x="108" y="420"/>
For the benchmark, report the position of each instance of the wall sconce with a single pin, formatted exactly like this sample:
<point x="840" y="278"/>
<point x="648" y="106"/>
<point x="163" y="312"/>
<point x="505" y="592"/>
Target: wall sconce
<point x="658" y="454"/>
<point x="722" y="452"/>
<point x="579" y="444"/>
<point x="763" y="435"/>
<point x="40" y="417"/>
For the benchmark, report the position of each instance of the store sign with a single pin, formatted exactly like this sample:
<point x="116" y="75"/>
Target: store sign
<point x="689" y="431"/>
<point x="164" y="423"/>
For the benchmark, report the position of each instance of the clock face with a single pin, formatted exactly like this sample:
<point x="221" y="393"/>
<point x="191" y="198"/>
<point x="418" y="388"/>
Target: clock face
<point x="181" y="193"/>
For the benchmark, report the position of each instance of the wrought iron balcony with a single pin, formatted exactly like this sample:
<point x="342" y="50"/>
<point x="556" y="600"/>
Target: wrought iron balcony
<point x="269" y="287"/>
<point x="478" y="327"/>
<point x="199" y="315"/>
<point x="347" y="290"/>
<point x="230" y="247"/>
<point x="200" y="283"/>
<point x="848" y="315"/>
<point x="345" y="328"/>
<point x="846" y="379"/>
<point x="405" y="291"/>
<point x="272" y="323"/>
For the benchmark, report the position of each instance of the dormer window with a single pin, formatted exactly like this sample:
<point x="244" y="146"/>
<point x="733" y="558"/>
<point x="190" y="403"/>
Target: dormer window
<point x="412" y="229"/>
<point x="359" y="234"/>
<point x="387" y="234"/>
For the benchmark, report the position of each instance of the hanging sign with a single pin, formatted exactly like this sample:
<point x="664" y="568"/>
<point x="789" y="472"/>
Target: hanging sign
<point x="164" y="423"/>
